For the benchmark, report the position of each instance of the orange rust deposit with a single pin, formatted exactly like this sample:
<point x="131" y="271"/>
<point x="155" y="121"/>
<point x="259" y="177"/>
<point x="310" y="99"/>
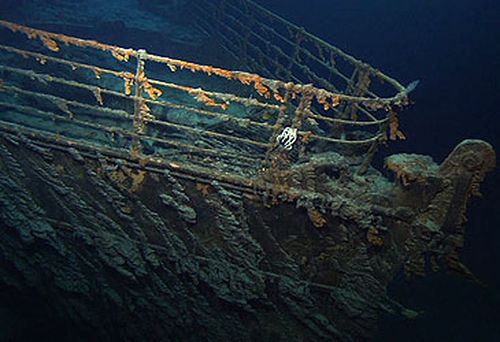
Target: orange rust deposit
<point x="205" y="99"/>
<point x="307" y="136"/>
<point x="128" y="80"/>
<point x="173" y="64"/>
<point x="50" y="44"/>
<point x="154" y="93"/>
<point x="33" y="34"/>
<point x="261" y="89"/>
<point x="121" y="55"/>
<point x="278" y="97"/>
<point x="30" y="33"/>
<point x="324" y="100"/>
<point x="336" y="101"/>
<point x="394" y="131"/>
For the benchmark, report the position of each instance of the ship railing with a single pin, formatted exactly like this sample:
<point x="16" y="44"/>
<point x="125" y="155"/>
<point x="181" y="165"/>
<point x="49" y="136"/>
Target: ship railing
<point x="188" y="116"/>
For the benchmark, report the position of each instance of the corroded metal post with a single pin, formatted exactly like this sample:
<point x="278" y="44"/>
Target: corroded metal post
<point x="138" y="120"/>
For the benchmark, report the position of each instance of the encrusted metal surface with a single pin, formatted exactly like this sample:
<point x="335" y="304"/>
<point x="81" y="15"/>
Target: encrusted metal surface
<point x="161" y="106"/>
<point x="110" y="244"/>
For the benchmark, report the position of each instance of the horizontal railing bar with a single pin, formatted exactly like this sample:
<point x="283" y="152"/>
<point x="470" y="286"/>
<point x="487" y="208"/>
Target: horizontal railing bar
<point x="176" y="168"/>
<point x="271" y="83"/>
<point x="230" y="45"/>
<point x="356" y="123"/>
<point x="400" y="88"/>
<point x="375" y="121"/>
<point x="304" y="69"/>
<point x="308" y="54"/>
<point x="33" y="33"/>
<point x="72" y="64"/>
<point x="222" y="96"/>
<point x="305" y="51"/>
<point x="89" y="150"/>
<point x="123" y="114"/>
<point x="207" y="133"/>
<point x="280" y="51"/>
<point x="343" y="141"/>
<point x="298" y="88"/>
<point x="56" y="99"/>
<point x="113" y="130"/>
<point x="120" y="74"/>
<point x="282" y="54"/>
<point x="223" y="117"/>
<point x="284" y="39"/>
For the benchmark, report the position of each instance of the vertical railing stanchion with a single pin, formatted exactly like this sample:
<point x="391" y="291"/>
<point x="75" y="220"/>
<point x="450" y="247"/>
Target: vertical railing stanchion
<point x="138" y="120"/>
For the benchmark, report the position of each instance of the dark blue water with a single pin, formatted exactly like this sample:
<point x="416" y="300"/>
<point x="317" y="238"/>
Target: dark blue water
<point x="453" y="47"/>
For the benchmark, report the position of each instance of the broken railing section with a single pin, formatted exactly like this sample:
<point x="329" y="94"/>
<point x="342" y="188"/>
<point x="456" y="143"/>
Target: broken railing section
<point x="306" y="112"/>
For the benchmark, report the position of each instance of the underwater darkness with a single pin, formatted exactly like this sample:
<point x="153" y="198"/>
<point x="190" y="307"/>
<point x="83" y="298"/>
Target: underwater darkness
<point x="453" y="48"/>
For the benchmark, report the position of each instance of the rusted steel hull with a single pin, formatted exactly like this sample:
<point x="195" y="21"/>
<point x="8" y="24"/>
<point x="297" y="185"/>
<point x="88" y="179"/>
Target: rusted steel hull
<point x="139" y="253"/>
